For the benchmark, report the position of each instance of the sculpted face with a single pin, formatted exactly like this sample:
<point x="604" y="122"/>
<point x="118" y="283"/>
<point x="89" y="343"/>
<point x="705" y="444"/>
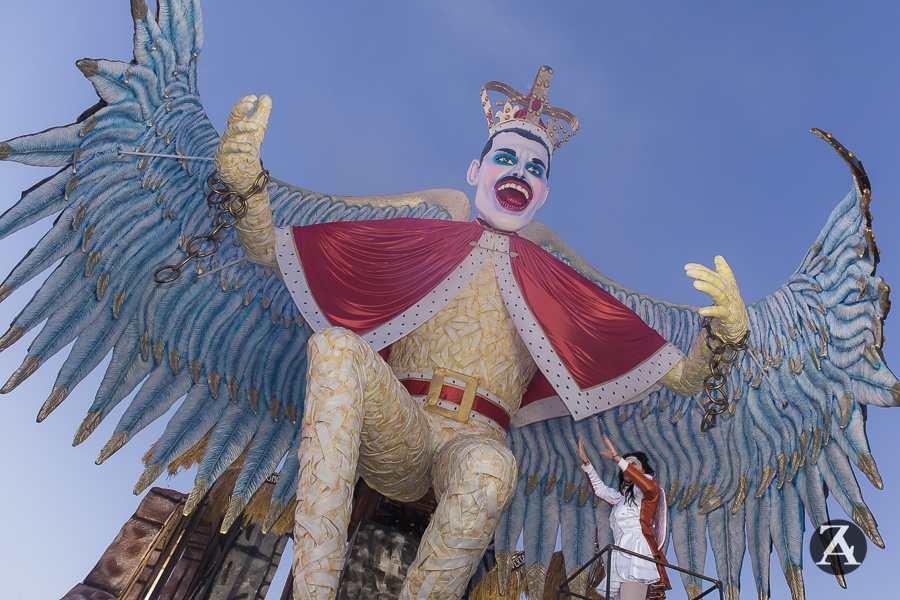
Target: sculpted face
<point x="510" y="181"/>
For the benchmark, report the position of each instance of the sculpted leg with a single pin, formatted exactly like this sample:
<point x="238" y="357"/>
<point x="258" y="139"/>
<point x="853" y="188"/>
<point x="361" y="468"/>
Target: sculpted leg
<point x="475" y="478"/>
<point x="349" y="389"/>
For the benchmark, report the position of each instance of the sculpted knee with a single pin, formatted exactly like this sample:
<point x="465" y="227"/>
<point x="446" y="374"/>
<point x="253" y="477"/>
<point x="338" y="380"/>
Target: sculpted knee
<point x="495" y="467"/>
<point x="336" y="338"/>
<point x="334" y="343"/>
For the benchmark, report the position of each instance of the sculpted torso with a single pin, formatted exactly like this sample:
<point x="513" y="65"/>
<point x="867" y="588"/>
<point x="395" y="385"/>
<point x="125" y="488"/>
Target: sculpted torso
<point x="474" y="335"/>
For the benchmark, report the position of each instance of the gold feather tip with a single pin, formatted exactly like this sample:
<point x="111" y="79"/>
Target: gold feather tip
<point x="867" y="465"/>
<point x="198" y="493"/>
<point x="12" y="336"/>
<point x="87" y="427"/>
<point x="138" y="10"/>
<point x="235" y="508"/>
<point x="536" y="576"/>
<point x="87" y="67"/>
<point x="732" y="592"/>
<point x="56" y="398"/>
<point x="115" y="442"/>
<point x="693" y="590"/>
<point x="579" y="584"/>
<point x="275" y="510"/>
<point x="25" y="370"/>
<point x="794" y="577"/>
<point x="504" y="570"/>
<point x="863" y="517"/>
<point x="841" y="580"/>
<point x="149" y="475"/>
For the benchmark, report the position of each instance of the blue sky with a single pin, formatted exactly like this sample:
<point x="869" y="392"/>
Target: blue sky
<point x="694" y="142"/>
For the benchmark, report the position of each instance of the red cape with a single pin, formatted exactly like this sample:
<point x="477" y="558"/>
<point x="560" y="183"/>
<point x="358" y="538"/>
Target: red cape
<point x="383" y="279"/>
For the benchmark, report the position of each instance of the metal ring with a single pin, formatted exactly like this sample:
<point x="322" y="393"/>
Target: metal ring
<point x="159" y="279"/>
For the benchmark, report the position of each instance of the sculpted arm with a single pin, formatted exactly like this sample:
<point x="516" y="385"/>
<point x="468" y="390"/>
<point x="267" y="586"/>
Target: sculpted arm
<point x="239" y="166"/>
<point x="729" y="321"/>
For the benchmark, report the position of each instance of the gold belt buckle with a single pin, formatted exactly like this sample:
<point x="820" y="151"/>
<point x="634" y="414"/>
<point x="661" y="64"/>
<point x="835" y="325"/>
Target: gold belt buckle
<point x="434" y="394"/>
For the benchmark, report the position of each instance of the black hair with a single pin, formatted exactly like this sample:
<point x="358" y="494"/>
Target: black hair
<point x="525" y="134"/>
<point x="627" y="487"/>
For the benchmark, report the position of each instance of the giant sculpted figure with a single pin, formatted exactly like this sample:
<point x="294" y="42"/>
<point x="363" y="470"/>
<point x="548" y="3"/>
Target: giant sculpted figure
<point x="433" y="336"/>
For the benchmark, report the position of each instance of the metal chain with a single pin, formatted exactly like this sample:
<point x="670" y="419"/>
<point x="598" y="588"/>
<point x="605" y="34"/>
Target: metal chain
<point x="232" y="207"/>
<point x="714" y="383"/>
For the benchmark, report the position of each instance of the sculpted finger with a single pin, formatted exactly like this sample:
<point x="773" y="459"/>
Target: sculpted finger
<point x="263" y="109"/>
<point x="235" y="133"/>
<point x="237" y="147"/>
<point x="241" y="108"/>
<point x="723" y="269"/>
<point x="717" y="294"/>
<point x="248" y="128"/>
<point x="697" y="271"/>
<point x="714" y="312"/>
<point x="706" y="275"/>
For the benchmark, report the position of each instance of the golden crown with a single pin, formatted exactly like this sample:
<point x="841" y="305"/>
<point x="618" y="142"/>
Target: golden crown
<point x="531" y="111"/>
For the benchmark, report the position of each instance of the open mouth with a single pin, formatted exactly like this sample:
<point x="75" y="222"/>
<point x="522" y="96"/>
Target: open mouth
<point x="513" y="194"/>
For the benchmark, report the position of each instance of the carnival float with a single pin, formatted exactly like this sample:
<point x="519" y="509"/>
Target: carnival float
<point x="383" y="373"/>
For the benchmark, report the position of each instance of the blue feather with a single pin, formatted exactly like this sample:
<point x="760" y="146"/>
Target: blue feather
<point x="726" y="538"/>
<point x="43" y="200"/>
<point x="286" y="487"/>
<point x="51" y="148"/>
<point x="155" y="397"/>
<point x="234" y="430"/>
<point x="187" y="426"/>
<point x="265" y="452"/>
<point x="759" y="539"/>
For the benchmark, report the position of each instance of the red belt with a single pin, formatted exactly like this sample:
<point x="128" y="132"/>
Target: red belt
<point x="456" y="395"/>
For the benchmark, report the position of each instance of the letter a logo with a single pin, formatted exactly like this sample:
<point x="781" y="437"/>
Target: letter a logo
<point x="838" y="547"/>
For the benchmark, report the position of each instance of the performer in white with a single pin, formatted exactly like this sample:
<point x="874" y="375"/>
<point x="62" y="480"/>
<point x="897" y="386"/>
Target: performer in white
<point x="638" y="522"/>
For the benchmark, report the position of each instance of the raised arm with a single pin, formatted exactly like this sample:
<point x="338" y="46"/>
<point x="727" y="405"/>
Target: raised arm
<point x="645" y="483"/>
<point x="239" y="166"/>
<point x="601" y="490"/>
<point x="729" y="322"/>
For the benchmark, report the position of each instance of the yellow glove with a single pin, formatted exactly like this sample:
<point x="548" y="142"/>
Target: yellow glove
<point x="239" y="165"/>
<point x="729" y="314"/>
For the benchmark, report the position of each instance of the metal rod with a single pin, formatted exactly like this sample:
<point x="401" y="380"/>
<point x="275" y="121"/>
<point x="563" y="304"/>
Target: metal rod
<point x="175" y="156"/>
<point x="609" y="550"/>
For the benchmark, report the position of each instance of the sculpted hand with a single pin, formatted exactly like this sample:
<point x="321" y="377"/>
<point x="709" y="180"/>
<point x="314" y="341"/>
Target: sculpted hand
<point x="728" y="312"/>
<point x="238" y="163"/>
<point x="237" y="157"/>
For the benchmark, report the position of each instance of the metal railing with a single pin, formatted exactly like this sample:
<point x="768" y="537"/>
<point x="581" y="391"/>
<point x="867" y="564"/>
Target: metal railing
<point x="561" y="592"/>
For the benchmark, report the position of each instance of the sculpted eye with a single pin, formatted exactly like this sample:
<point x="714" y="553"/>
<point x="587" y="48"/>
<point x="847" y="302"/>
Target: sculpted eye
<point x="535" y="170"/>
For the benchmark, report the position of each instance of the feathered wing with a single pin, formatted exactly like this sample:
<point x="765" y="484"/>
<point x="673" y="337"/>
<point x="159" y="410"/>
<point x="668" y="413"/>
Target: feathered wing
<point x="794" y="426"/>
<point x="224" y="339"/>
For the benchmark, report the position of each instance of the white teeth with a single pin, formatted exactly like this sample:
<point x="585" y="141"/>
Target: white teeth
<point x="521" y="189"/>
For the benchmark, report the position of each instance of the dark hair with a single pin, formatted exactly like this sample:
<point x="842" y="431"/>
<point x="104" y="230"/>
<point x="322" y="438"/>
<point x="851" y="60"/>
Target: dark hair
<point x="627" y="487"/>
<point x="525" y="134"/>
